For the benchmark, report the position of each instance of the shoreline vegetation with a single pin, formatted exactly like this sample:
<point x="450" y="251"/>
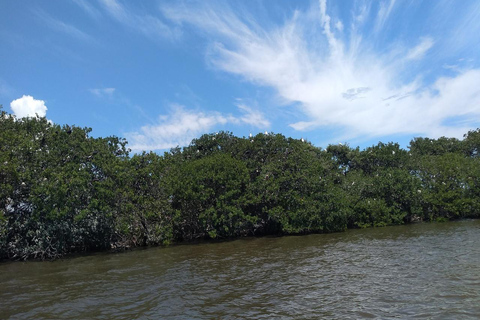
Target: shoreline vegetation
<point x="62" y="191"/>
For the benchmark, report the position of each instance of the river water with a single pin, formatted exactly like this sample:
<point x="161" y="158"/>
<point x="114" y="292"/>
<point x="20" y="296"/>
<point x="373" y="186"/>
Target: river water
<point x="420" y="271"/>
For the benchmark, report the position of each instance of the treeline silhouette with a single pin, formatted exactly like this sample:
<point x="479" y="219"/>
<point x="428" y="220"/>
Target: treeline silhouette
<point x="62" y="191"/>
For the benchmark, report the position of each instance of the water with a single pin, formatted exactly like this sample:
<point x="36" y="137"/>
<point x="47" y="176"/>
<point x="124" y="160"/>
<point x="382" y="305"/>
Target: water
<point x="421" y="271"/>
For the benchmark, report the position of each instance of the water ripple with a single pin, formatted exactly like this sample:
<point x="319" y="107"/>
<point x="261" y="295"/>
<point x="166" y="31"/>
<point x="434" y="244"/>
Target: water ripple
<point x="424" y="271"/>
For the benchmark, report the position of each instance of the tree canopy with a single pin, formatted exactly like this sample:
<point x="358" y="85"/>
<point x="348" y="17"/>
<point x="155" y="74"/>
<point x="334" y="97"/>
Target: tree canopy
<point x="62" y="191"/>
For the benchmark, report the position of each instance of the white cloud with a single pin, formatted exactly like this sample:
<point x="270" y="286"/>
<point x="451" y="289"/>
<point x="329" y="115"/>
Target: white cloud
<point x="103" y="92"/>
<point x="27" y="106"/>
<point x="336" y="82"/>
<point x="182" y="125"/>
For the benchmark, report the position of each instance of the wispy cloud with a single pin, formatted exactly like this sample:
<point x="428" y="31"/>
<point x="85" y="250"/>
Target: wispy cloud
<point x="335" y="80"/>
<point x="417" y="52"/>
<point x="383" y="13"/>
<point x="464" y="33"/>
<point x="88" y="8"/>
<point x="103" y="92"/>
<point x="177" y="128"/>
<point x="182" y="125"/>
<point x="254" y="118"/>
<point x="149" y="25"/>
<point x="62" y="27"/>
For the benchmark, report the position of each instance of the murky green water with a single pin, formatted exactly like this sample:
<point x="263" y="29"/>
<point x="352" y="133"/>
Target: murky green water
<point x="425" y="271"/>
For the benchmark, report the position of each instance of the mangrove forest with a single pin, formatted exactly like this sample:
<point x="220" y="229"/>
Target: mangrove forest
<point x="63" y="191"/>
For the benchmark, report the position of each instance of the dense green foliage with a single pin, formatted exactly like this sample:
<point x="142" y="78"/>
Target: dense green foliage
<point x="62" y="191"/>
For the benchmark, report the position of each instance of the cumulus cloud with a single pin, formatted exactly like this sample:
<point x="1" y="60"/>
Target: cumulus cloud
<point x="181" y="125"/>
<point x="337" y="81"/>
<point x="27" y="106"/>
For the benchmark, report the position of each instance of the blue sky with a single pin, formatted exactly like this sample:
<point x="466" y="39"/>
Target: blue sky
<point x="161" y="73"/>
